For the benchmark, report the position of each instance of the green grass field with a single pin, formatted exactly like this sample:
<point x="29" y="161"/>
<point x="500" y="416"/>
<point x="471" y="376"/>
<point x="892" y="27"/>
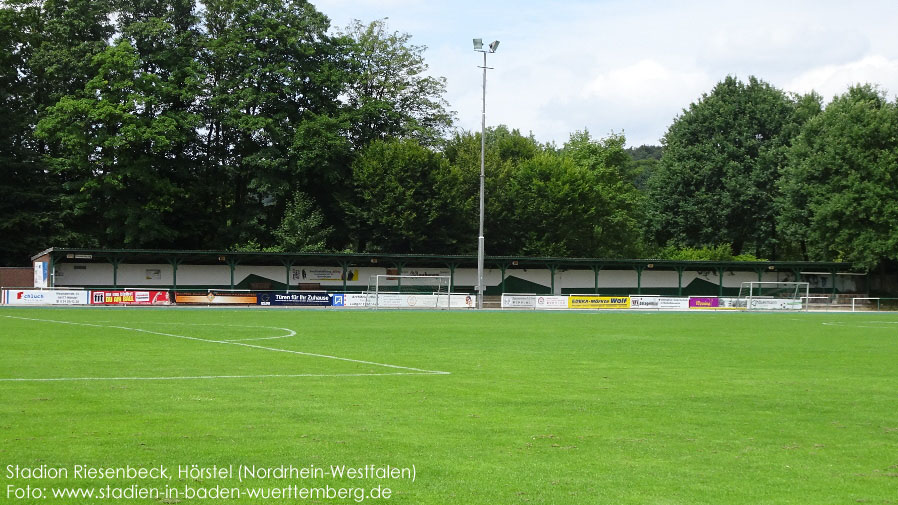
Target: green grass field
<point x="487" y="408"/>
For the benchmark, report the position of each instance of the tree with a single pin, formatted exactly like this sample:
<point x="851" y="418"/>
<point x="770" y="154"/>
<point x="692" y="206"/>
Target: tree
<point x="578" y="201"/>
<point x="505" y="150"/>
<point x="118" y="191"/>
<point x="399" y="199"/>
<point x="556" y="210"/>
<point x="389" y="94"/>
<point x="303" y="228"/>
<point x="46" y="52"/>
<point x="792" y="204"/>
<point x="645" y="160"/>
<point x="617" y="203"/>
<point x="26" y="206"/>
<point x="270" y="66"/>
<point x="840" y="184"/>
<point x="716" y="183"/>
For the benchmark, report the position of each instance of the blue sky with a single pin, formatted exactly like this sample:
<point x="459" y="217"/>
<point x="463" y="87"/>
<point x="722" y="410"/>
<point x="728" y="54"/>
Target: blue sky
<point x="631" y="66"/>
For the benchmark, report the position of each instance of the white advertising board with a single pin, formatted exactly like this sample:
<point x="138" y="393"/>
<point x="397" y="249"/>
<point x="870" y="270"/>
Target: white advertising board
<point x="400" y="300"/>
<point x="352" y="300"/>
<point x="644" y="302"/>
<point x="551" y="302"/>
<point x="460" y="301"/>
<point x="774" y="304"/>
<point x="44" y="297"/>
<point x="671" y="303"/>
<point x="518" y="301"/>
<point x="728" y="303"/>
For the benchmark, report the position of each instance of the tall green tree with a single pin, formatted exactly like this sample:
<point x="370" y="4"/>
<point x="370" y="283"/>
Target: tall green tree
<point x="505" y="150"/>
<point x="118" y="193"/>
<point x="269" y="66"/>
<point x="618" y="205"/>
<point x="166" y="37"/>
<point x="792" y="205"/>
<point x="540" y="201"/>
<point x="26" y="205"/>
<point x="399" y="199"/>
<point x="716" y="183"/>
<point x="303" y="228"/>
<point x="389" y="93"/>
<point x="560" y="208"/>
<point x="48" y="51"/>
<point x="840" y="184"/>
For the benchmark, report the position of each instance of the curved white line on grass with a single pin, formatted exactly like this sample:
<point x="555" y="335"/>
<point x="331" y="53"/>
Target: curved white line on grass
<point x="201" y="377"/>
<point x="252" y="346"/>
<point x="290" y="333"/>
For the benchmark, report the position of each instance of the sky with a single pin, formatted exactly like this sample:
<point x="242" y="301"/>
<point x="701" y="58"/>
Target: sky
<point x="630" y="67"/>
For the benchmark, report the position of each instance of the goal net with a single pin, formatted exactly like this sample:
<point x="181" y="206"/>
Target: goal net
<point x="408" y="292"/>
<point x="772" y="295"/>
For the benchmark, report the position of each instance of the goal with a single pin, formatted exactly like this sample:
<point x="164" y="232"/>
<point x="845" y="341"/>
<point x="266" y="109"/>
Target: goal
<point x="773" y="295"/>
<point x="408" y="292"/>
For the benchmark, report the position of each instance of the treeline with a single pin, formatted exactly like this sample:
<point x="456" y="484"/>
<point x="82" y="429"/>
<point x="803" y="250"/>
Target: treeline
<point x="206" y="125"/>
<point x="779" y="176"/>
<point x="229" y="124"/>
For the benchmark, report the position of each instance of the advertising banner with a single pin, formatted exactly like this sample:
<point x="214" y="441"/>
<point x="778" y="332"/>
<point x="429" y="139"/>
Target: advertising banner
<point x="316" y="274"/>
<point x="774" y="304"/>
<point x="41" y="274"/>
<point x="413" y="301"/>
<point x="214" y="298"/>
<point x="551" y="302"/>
<point x="704" y="302"/>
<point x="670" y="303"/>
<point x="129" y="298"/>
<point x="518" y="301"/>
<point x="730" y="303"/>
<point x="294" y="299"/>
<point x="48" y="297"/>
<point x="462" y="301"/>
<point x="644" y="302"/>
<point x="598" y="302"/>
<point x="351" y="300"/>
<point x="457" y="301"/>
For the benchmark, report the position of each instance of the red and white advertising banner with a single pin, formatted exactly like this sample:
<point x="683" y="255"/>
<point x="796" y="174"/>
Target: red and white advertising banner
<point x="129" y="298"/>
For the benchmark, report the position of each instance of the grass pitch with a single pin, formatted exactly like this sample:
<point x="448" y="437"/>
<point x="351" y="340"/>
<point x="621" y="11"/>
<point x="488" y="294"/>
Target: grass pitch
<point x="487" y="408"/>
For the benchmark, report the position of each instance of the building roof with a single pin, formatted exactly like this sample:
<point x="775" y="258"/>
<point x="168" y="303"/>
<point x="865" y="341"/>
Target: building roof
<point x="151" y="256"/>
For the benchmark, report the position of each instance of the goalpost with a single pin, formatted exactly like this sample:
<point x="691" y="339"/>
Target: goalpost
<point x="408" y="292"/>
<point x="773" y="295"/>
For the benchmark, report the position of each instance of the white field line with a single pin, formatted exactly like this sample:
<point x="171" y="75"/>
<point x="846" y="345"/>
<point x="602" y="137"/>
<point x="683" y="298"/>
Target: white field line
<point x="417" y="371"/>
<point x="290" y="333"/>
<point x="849" y="325"/>
<point x="200" y="377"/>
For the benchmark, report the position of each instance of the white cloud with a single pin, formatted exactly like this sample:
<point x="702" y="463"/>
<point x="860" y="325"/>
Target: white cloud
<point x="832" y="80"/>
<point x="645" y="84"/>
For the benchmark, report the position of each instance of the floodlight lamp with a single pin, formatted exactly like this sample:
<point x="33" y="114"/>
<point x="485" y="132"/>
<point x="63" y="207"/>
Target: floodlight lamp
<point x="478" y="44"/>
<point x="494" y="45"/>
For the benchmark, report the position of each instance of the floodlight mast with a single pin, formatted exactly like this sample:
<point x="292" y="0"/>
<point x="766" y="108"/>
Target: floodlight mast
<point x="478" y="46"/>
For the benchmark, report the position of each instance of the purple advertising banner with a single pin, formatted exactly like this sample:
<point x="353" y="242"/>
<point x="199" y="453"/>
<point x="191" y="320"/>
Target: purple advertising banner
<point x="703" y="302"/>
